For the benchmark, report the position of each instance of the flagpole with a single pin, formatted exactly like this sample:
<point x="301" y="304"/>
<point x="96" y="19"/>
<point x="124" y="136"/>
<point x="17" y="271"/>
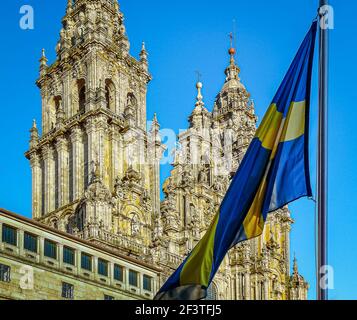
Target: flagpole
<point x="322" y="292"/>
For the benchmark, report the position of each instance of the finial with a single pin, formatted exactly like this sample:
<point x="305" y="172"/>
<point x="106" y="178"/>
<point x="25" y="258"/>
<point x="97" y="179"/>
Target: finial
<point x="155" y="118"/>
<point x="232" y="50"/>
<point x="232" y="72"/>
<point x="295" y="265"/>
<point x="199" y="98"/>
<point x="155" y="127"/>
<point x="69" y="6"/>
<point x="34" y="135"/>
<point x="144" y="56"/>
<point x="43" y="60"/>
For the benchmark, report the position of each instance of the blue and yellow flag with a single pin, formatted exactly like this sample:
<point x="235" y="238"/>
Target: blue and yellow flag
<point x="273" y="173"/>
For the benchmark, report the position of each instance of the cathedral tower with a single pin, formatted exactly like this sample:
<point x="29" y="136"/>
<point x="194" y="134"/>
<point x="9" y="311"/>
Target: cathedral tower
<point x="91" y="172"/>
<point x="209" y="153"/>
<point x="96" y="168"/>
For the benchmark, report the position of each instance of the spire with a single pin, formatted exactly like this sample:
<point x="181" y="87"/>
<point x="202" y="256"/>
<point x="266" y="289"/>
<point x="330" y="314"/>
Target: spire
<point x="155" y="126"/>
<point x="34" y="134"/>
<point x="43" y="62"/>
<point x="295" y="269"/>
<point x="34" y="124"/>
<point x="144" y="57"/>
<point x="232" y="72"/>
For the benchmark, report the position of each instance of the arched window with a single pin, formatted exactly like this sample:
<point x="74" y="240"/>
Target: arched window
<point x="242" y="286"/>
<point x="82" y="95"/>
<point x="261" y="290"/>
<point x="110" y="95"/>
<point x="81" y="217"/>
<point x="212" y="292"/>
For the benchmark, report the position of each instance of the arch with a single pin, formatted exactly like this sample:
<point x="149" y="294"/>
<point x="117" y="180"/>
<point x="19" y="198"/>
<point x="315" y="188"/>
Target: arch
<point x="212" y="292"/>
<point x="81" y="95"/>
<point x="110" y="96"/>
<point x="78" y="96"/>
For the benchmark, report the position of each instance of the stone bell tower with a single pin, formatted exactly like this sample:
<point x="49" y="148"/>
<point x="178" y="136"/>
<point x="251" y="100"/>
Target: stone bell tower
<point x="90" y="167"/>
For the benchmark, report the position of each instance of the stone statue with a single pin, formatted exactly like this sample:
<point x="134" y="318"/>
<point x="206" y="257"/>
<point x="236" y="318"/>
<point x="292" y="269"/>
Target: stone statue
<point x="135" y="225"/>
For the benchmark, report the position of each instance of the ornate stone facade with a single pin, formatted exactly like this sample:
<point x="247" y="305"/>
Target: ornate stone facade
<point x="96" y="169"/>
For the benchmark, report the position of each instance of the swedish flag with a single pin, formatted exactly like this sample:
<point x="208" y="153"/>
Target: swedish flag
<point x="273" y="173"/>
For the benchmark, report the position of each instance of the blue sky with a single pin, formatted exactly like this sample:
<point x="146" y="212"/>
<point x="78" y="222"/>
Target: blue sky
<point x="185" y="36"/>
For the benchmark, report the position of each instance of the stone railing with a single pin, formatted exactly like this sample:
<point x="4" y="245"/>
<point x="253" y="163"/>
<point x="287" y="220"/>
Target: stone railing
<point x="117" y="241"/>
<point x="173" y="260"/>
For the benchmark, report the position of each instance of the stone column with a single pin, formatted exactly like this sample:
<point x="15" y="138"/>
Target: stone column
<point x="36" y="186"/>
<point x="60" y="255"/>
<point x="76" y="138"/>
<point x="92" y="155"/>
<point x="238" y="285"/>
<point x="266" y="290"/>
<point x="247" y="286"/>
<point x="49" y="168"/>
<point x="63" y="171"/>
<point x="115" y="140"/>
<point x="286" y="231"/>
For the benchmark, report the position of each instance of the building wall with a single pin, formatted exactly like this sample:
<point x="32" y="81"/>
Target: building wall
<point x="36" y="277"/>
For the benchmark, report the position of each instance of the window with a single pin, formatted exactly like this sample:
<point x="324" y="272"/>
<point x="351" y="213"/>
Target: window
<point x="243" y="287"/>
<point x="69" y="256"/>
<point x="9" y="235"/>
<point x="109" y="298"/>
<point x="82" y="95"/>
<point x="212" y="293"/>
<point x="103" y="267"/>
<point x="110" y="95"/>
<point x="118" y="273"/>
<point x="5" y="273"/>
<point x="86" y="262"/>
<point x="67" y="291"/>
<point x="30" y="242"/>
<point x="147" y="283"/>
<point x="50" y="249"/>
<point x="133" y="278"/>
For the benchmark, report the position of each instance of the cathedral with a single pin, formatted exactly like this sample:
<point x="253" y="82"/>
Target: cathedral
<point x="100" y="229"/>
